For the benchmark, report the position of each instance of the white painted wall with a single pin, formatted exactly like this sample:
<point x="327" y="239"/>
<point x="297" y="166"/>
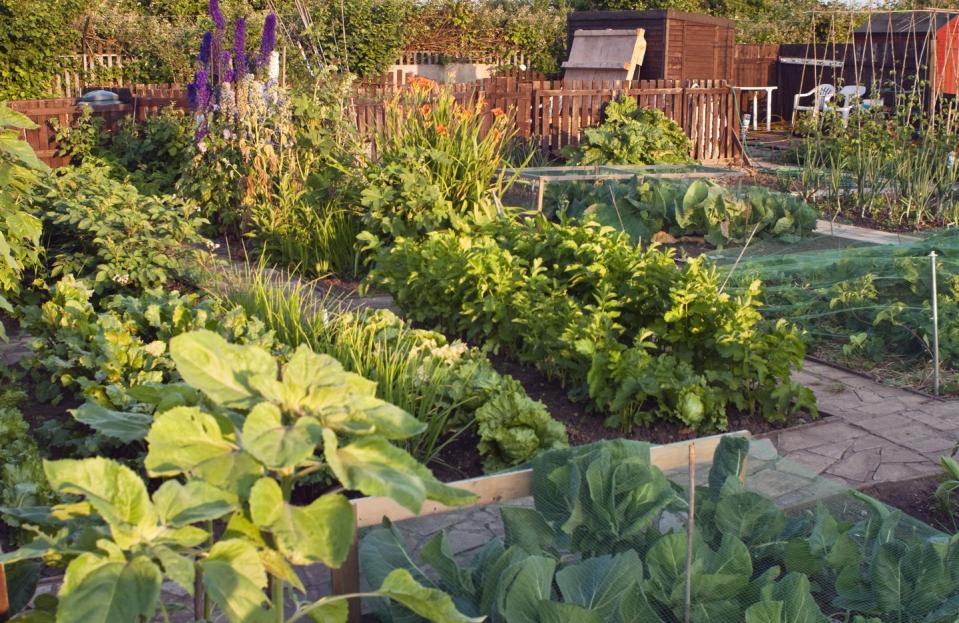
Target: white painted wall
<point x="451" y="73"/>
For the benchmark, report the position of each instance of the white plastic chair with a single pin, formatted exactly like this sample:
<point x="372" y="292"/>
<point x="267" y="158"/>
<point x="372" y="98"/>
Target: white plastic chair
<point x="821" y="96"/>
<point x="851" y="99"/>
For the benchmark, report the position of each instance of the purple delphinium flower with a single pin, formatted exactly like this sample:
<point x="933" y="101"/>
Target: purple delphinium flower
<point x="226" y="67"/>
<point x="206" y="47"/>
<point x="217" y="15"/>
<point x="202" y="88"/>
<point x="239" y="49"/>
<point x="267" y="41"/>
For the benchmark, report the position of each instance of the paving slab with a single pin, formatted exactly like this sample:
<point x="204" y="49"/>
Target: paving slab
<point x="875" y="433"/>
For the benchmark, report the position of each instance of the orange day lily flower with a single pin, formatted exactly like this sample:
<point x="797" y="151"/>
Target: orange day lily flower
<point x="497" y="112"/>
<point x="420" y="83"/>
<point x="441" y="128"/>
<point x="425" y="110"/>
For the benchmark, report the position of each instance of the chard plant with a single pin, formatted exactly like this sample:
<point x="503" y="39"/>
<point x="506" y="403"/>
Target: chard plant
<point x="221" y="525"/>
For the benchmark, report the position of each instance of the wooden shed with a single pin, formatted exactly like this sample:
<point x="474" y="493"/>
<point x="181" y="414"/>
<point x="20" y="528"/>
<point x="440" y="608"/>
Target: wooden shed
<point x="901" y="47"/>
<point x="679" y="46"/>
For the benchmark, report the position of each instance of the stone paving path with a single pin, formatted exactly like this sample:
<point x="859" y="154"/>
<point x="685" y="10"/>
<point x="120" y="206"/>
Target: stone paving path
<point x="862" y="234"/>
<point x="875" y="433"/>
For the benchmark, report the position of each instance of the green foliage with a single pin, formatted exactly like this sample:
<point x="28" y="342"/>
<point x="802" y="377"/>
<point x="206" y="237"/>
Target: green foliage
<point x="436" y="161"/>
<point x="149" y="154"/>
<point x="643" y="207"/>
<point x="448" y="386"/>
<point x="311" y="218"/>
<point x="601" y="544"/>
<point x="111" y="353"/>
<point x="513" y="429"/>
<point x="625" y="327"/>
<point x="363" y="37"/>
<point x="33" y="34"/>
<point x="105" y="231"/>
<point x="22" y="483"/>
<point x="152" y="154"/>
<point x="233" y="457"/>
<point x="894" y="169"/>
<point x="946" y="491"/>
<point x="632" y="135"/>
<point x="873" y="302"/>
<point x="19" y="230"/>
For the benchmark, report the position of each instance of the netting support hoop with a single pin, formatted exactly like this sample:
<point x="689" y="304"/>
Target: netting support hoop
<point x="935" y="325"/>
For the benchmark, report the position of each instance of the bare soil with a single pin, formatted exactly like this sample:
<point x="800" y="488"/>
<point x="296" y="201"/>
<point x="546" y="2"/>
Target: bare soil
<point x="915" y="497"/>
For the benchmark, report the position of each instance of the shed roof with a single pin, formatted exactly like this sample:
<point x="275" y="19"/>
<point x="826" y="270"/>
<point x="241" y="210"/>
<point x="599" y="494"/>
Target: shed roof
<point x="896" y="22"/>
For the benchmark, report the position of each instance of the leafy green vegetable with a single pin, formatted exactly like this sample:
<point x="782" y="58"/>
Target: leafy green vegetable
<point x="624" y="327"/>
<point x="647" y="208"/>
<point x="632" y="135"/>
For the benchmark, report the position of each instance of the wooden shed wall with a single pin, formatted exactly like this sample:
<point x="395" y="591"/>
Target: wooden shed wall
<point x="679" y="46"/>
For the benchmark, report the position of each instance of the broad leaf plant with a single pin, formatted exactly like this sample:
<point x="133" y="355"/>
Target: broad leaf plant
<point x="221" y="525"/>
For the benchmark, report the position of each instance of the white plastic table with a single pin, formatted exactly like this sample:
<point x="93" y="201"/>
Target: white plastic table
<point x="769" y="105"/>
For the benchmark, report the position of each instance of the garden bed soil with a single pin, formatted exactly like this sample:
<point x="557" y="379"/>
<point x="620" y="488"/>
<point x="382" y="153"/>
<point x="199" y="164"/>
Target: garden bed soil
<point x="916" y="498"/>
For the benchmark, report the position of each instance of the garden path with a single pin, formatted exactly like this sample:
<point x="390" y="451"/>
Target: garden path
<point x="874" y="433"/>
<point x="862" y="234"/>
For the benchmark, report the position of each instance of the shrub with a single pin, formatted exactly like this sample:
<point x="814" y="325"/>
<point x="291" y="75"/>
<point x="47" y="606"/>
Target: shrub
<point x="105" y="231"/>
<point x="625" y="327"/>
<point x="233" y="458"/>
<point x="436" y="160"/>
<point x="632" y="135"/>
<point x="19" y="230"/>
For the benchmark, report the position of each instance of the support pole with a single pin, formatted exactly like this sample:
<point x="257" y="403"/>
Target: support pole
<point x="540" y="191"/>
<point x="690" y="532"/>
<point x="4" y="599"/>
<point x="935" y="325"/>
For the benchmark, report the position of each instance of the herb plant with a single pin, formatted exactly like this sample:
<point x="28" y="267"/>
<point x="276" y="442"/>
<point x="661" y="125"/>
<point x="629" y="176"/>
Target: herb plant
<point x="449" y="386"/>
<point x="221" y="525"/>
<point x="110" y="352"/>
<point x="106" y="232"/>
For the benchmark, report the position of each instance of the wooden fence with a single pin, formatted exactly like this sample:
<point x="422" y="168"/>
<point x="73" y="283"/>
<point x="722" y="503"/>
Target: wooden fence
<point x="551" y="113"/>
<point x="64" y="110"/>
<point x="555" y="113"/>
